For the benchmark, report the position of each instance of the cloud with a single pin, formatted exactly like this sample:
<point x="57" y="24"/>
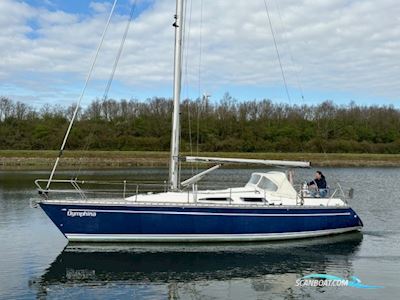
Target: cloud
<point x="100" y="7"/>
<point x="347" y="47"/>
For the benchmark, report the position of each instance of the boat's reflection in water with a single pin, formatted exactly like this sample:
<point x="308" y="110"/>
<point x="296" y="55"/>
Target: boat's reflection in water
<point x="88" y="264"/>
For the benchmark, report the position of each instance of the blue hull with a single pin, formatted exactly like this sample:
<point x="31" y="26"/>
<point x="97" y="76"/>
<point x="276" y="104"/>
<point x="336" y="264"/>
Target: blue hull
<point x="137" y="223"/>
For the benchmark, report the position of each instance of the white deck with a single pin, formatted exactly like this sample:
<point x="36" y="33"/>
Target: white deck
<point x="272" y="188"/>
<point x="234" y="196"/>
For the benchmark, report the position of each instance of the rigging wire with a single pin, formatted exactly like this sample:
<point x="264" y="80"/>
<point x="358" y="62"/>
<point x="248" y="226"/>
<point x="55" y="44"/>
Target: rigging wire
<point x="186" y="48"/>
<point x="89" y="75"/>
<point x="320" y="140"/>
<point x="121" y="47"/>
<point x="320" y="143"/>
<point x="199" y="79"/>
<point x="111" y="78"/>
<point x="277" y="50"/>
<point x="290" y="51"/>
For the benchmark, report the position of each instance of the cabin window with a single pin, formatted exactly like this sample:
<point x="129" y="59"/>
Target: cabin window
<point x="267" y="185"/>
<point x="215" y="199"/>
<point x="254" y="179"/>
<point x="253" y="199"/>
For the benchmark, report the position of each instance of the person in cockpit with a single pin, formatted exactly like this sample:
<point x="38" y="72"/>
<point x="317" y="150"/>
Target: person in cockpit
<point x="318" y="185"/>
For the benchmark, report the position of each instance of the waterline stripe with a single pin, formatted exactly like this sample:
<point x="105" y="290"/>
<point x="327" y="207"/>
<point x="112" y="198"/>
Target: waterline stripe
<point x="211" y="214"/>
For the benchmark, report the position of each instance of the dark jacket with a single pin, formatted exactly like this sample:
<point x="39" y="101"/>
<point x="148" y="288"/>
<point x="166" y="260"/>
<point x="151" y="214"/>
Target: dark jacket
<point x="321" y="183"/>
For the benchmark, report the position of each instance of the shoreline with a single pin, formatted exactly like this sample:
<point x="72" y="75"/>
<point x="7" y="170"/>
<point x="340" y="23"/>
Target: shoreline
<point x="123" y="159"/>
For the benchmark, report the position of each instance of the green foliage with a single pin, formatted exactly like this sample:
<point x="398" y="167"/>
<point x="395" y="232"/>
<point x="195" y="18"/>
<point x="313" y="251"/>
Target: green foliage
<point x="228" y="125"/>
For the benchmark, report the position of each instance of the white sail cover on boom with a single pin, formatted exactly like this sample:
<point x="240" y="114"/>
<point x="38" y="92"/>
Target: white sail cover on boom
<point x="282" y="163"/>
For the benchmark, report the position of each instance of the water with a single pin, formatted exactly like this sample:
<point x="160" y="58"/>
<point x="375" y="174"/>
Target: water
<point x="35" y="262"/>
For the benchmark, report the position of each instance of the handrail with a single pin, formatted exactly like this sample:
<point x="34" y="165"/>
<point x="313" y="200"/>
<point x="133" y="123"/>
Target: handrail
<point x="87" y="189"/>
<point x="343" y="194"/>
<point x="76" y="187"/>
<point x="124" y="193"/>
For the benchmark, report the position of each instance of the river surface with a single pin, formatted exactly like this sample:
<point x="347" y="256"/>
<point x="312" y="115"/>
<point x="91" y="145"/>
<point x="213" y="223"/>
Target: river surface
<point x="36" y="263"/>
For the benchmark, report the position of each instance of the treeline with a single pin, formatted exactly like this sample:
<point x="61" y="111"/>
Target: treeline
<point x="227" y="125"/>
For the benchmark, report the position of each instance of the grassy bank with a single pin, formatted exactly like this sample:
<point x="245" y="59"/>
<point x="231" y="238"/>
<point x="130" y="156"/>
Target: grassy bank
<point x="101" y="159"/>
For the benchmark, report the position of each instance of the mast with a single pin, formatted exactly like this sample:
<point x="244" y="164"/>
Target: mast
<point x="174" y="159"/>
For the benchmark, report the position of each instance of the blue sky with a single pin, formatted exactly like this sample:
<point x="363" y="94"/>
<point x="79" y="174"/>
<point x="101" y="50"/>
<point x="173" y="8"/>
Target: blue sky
<point x="342" y="50"/>
<point x="83" y="8"/>
<point x="74" y="6"/>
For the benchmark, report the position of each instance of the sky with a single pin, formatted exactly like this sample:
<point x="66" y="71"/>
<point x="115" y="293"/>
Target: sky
<point x="339" y="50"/>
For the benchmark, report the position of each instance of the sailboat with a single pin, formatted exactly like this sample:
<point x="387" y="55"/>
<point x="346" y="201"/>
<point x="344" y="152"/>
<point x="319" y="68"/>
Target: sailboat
<point x="268" y="207"/>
